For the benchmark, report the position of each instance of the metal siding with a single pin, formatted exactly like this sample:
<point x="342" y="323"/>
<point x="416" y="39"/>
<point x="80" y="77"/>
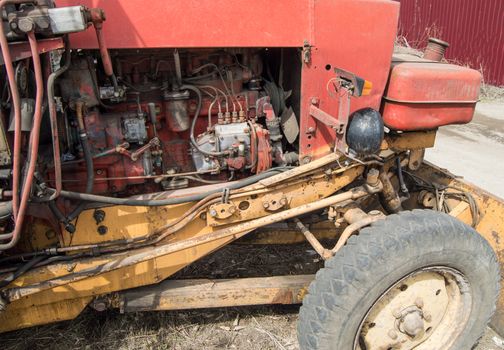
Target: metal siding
<point x="474" y="29"/>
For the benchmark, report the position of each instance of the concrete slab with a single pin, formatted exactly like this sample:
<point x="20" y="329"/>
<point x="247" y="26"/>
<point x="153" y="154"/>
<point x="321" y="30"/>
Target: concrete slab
<point x="474" y="151"/>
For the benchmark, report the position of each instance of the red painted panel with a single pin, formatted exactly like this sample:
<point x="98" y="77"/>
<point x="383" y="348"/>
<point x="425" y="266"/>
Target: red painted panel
<point x="474" y="29"/>
<point x="355" y="35"/>
<point x="198" y="23"/>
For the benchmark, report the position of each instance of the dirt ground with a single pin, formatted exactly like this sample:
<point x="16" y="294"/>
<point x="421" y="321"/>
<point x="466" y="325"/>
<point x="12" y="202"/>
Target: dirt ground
<point x="254" y="328"/>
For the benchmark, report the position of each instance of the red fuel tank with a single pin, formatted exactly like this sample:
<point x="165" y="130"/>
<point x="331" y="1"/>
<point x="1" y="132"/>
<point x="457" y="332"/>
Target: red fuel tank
<point x="423" y="94"/>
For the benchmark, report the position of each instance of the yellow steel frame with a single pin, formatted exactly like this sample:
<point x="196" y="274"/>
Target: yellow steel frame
<point x="40" y="296"/>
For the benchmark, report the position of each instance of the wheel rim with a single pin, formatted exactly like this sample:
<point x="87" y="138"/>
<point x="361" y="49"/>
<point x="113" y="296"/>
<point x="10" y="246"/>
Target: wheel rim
<point x="428" y="309"/>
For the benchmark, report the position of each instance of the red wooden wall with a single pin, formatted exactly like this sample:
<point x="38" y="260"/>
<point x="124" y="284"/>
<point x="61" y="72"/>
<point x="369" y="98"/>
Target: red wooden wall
<point x="474" y="29"/>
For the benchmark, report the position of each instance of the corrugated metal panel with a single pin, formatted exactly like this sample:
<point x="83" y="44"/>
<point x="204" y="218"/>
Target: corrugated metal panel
<point x="474" y="29"/>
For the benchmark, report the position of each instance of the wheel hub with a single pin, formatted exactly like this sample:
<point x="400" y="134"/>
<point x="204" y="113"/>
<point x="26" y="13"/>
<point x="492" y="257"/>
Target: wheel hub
<point x="412" y="323"/>
<point x="422" y="311"/>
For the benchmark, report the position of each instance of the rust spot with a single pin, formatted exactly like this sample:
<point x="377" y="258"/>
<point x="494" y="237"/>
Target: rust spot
<point x="283" y="297"/>
<point x="496" y="237"/>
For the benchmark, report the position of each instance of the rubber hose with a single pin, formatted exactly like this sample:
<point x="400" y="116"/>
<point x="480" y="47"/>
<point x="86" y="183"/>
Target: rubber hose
<point x="170" y="201"/>
<point x="88" y="157"/>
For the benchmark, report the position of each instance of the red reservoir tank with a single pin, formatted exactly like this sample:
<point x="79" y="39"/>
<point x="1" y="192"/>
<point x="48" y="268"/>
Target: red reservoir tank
<point x="423" y="94"/>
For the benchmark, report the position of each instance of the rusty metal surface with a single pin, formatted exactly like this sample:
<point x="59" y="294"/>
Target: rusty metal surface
<point x="473" y="28"/>
<point x="410" y="140"/>
<point x="491" y="226"/>
<point x="21" y="50"/>
<point x="197" y="294"/>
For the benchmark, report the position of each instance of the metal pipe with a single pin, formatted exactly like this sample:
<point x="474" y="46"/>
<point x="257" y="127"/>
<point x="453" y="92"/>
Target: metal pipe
<point x="354" y="227"/>
<point x="319" y="248"/>
<point x="193" y="124"/>
<point x="435" y="50"/>
<point x="17" y="108"/>
<point x="97" y="17"/>
<point x="389" y="199"/>
<point x="34" y="142"/>
<point x="232" y="232"/>
<point x="54" y="119"/>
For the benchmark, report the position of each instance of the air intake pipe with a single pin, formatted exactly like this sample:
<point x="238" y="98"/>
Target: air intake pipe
<point x="435" y="49"/>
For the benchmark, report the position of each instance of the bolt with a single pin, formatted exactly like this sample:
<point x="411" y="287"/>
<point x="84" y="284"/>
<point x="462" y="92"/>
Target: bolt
<point x="99" y="216"/>
<point x="419" y="303"/>
<point x="71" y="267"/>
<point x="26" y="25"/>
<point x="232" y="209"/>
<point x="283" y="201"/>
<point x="427" y="316"/>
<point x="306" y="160"/>
<point x="102" y="230"/>
<point x="99" y="306"/>
<point x="314" y="100"/>
<point x="265" y="205"/>
<point x="310" y="130"/>
<point x="213" y="213"/>
<point x="392" y="334"/>
<point x="372" y="177"/>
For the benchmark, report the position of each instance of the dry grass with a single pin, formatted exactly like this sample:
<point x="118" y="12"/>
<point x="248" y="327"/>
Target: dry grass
<point x="490" y="93"/>
<point x="267" y="327"/>
<point x="234" y="328"/>
<point x="251" y="328"/>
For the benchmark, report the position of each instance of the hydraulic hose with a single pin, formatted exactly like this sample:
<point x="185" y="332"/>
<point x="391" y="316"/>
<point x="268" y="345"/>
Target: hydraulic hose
<point x="34" y="143"/>
<point x="88" y="157"/>
<point x="195" y="119"/>
<point x="54" y="120"/>
<point x="6" y="281"/>
<point x="169" y="201"/>
<point x="16" y="106"/>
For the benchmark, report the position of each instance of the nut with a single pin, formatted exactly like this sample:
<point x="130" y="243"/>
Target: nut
<point x="419" y="303"/>
<point x="392" y="334"/>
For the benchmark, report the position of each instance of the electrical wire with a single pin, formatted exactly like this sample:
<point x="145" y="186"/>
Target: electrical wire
<point x="444" y="192"/>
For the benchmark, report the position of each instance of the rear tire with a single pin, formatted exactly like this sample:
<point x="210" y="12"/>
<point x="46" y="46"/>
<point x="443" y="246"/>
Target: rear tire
<point x="351" y="285"/>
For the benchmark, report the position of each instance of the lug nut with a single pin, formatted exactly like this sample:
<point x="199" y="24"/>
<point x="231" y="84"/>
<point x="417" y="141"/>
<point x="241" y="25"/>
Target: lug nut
<point x="419" y="303"/>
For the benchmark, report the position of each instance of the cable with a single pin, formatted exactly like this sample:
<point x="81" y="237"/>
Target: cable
<point x="23" y="269"/>
<point x="441" y="193"/>
<point x="169" y="201"/>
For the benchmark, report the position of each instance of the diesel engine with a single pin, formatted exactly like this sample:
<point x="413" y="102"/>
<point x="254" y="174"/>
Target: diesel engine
<point x="169" y="119"/>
